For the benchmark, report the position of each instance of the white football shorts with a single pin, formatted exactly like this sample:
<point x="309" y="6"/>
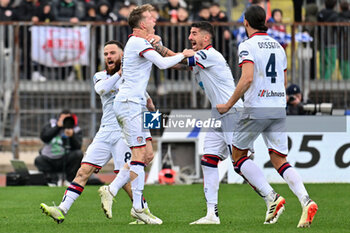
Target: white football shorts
<point x="130" y="118"/>
<point x="273" y="132"/>
<point x="107" y="145"/>
<point x="218" y="140"/>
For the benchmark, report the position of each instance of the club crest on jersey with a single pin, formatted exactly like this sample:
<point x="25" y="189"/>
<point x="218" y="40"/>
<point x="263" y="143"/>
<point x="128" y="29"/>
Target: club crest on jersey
<point x="139" y="139"/>
<point x="243" y="53"/>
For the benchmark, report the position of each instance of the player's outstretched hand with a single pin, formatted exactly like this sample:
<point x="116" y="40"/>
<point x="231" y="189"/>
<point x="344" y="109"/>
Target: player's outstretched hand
<point x="153" y="39"/>
<point x="188" y="53"/>
<point x="222" y="108"/>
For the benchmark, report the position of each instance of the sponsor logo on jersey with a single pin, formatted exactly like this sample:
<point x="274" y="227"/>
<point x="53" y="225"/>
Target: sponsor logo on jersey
<point x="151" y="120"/>
<point x="267" y="93"/>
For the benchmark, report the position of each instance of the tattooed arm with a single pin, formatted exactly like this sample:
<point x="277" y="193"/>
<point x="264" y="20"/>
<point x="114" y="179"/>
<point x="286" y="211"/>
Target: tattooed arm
<point x="166" y="52"/>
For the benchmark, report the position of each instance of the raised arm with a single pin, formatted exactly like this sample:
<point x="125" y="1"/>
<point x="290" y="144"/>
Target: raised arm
<point x="166" y="52"/>
<point x="103" y="86"/>
<point x="166" y="62"/>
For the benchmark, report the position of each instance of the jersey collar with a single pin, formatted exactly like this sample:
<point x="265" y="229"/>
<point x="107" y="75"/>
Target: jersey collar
<point x="258" y="34"/>
<point x="130" y="35"/>
<point x="208" y="47"/>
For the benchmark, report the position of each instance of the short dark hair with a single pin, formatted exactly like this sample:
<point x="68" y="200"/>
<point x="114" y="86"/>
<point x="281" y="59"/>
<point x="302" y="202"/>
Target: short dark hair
<point x="256" y="17"/>
<point x="155" y="8"/>
<point x="330" y="4"/>
<point x="204" y="26"/>
<point x="215" y="4"/>
<point x="136" y="15"/>
<point x="204" y="8"/>
<point x="257" y="1"/>
<point x="274" y="11"/>
<point x="117" y="43"/>
<point x="344" y="6"/>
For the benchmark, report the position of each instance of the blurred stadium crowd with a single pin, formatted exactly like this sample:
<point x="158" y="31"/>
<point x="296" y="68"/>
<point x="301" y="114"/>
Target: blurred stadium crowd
<point x="174" y="11"/>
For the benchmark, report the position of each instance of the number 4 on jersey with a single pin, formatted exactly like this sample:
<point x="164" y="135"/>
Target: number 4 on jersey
<point x="271" y="68"/>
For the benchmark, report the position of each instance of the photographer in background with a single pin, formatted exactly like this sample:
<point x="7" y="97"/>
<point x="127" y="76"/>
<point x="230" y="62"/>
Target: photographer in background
<point x="62" y="150"/>
<point x="294" y="100"/>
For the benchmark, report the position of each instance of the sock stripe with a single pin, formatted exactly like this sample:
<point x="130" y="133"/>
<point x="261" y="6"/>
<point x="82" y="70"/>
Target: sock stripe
<point x="208" y="164"/>
<point x="210" y="160"/>
<point x="137" y="163"/>
<point x="74" y="187"/>
<point x="73" y="190"/>
<point x="78" y="185"/>
<point x="283" y="168"/>
<point x="211" y="156"/>
<point x="239" y="163"/>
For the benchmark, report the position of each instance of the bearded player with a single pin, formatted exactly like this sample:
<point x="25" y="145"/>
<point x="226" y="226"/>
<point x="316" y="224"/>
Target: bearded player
<point x="107" y="142"/>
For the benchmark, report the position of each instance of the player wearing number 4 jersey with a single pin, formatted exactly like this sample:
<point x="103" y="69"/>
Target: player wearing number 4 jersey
<point x="107" y="142"/>
<point x="262" y="83"/>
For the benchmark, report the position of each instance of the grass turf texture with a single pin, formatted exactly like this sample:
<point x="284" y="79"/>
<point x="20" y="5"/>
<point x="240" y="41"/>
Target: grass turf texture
<point x="240" y="209"/>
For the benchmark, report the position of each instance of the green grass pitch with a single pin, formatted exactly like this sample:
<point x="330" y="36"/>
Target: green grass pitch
<point x="240" y="210"/>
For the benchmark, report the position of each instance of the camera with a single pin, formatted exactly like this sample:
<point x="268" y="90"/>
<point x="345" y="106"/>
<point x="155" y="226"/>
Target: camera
<point x="324" y="108"/>
<point x="68" y="122"/>
<point x="291" y="98"/>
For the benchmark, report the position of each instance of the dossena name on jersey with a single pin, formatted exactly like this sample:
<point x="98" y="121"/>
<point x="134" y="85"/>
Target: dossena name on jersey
<point x="269" y="45"/>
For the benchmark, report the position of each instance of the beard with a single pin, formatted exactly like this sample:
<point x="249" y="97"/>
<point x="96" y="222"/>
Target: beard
<point x="115" y="69"/>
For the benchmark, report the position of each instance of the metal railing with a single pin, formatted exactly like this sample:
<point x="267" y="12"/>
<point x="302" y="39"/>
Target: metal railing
<point x="322" y="66"/>
<point x="32" y="92"/>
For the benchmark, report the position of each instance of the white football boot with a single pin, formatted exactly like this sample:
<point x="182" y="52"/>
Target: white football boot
<point x="145" y="215"/>
<point x="275" y="209"/>
<point x="209" y="219"/>
<point x="309" y="211"/>
<point x="106" y="200"/>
